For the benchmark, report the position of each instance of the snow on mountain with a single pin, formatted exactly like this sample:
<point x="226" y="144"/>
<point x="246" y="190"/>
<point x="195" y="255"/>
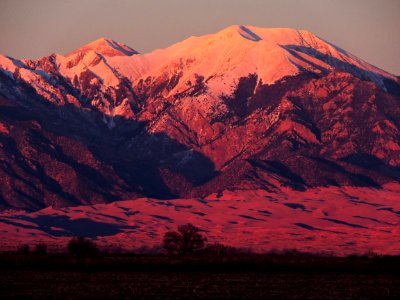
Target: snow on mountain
<point x="8" y="64"/>
<point x="105" y="47"/>
<point x="215" y="61"/>
<point x="237" y="51"/>
<point x="93" y="57"/>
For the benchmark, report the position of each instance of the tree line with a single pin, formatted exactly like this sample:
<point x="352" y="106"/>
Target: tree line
<point x="187" y="239"/>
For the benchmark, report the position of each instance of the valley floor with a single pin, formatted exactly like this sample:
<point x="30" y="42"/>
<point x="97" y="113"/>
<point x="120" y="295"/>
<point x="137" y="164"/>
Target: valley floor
<point x="339" y="221"/>
<point x="194" y="285"/>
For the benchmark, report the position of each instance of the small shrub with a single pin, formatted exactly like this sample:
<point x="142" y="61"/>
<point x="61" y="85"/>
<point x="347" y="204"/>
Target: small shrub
<point x="41" y="249"/>
<point x="81" y="246"/>
<point x="23" y="249"/>
<point x="218" y="250"/>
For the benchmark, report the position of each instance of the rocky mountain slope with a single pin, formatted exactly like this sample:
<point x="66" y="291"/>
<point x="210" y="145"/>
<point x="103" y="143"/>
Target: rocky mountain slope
<point x="244" y="108"/>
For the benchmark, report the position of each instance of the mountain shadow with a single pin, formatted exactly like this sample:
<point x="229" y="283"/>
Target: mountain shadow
<point x="63" y="155"/>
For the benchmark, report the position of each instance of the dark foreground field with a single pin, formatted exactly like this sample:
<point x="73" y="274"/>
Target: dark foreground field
<point x="196" y="285"/>
<point x="254" y="277"/>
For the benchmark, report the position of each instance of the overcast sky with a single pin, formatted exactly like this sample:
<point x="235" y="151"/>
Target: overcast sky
<point x="369" y="29"/>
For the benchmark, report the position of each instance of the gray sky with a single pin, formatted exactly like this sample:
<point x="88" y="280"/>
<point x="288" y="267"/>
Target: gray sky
<point x="369" y="29"/>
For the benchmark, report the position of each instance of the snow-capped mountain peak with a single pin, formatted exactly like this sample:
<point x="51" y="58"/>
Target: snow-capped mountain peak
<point x="237" y="51"/>
<point x="211" y="64"/>
<point x="105" y="47"/>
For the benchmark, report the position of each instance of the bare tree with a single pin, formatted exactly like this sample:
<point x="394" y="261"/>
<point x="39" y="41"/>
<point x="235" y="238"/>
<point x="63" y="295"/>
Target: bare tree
<point x="186" y="240"/>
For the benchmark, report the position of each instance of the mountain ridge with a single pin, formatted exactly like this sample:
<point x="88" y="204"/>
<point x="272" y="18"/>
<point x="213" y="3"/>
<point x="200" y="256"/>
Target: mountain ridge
<point x="105" y="46"/>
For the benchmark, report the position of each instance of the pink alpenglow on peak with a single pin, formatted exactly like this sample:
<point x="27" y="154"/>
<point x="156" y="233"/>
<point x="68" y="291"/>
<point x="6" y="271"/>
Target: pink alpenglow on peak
<point x="106" y="47"/>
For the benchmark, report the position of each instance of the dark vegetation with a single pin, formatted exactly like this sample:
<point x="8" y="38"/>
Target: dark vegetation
<point x="191" y="269"/>
<point x="81" y="246"/>
<point x="213" y="258"/>
<point x="41" y="249"/>
<point x="186" y="250"/>
<point x="186" y="240"/>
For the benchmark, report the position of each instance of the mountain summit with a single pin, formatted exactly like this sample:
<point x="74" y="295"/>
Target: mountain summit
<point x="243" y="108"/>
<point x="238" y="50"/>
<point x="105" y="47"/>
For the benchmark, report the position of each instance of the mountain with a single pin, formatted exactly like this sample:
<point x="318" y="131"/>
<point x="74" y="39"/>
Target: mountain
<point x="245" y="108"/>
